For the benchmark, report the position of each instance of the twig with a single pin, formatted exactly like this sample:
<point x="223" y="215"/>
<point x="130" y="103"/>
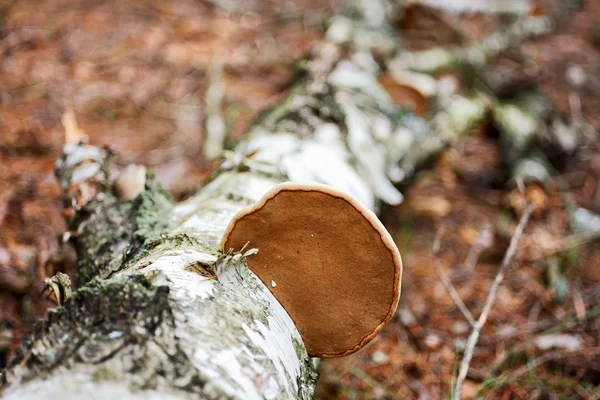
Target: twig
<point x="446" y="281"/>
<point x="554" y="355"/>
<point x="533" y="364"/>
<point x="548" y="326"/>
<point x="483" y="241"/>
<point x="569" y="242"/>
<point x="491" y="298"/>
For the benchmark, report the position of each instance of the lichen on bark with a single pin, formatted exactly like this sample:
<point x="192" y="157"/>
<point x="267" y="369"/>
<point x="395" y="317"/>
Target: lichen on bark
<point x="110" y="232"/>
<point x="121" y="328"/>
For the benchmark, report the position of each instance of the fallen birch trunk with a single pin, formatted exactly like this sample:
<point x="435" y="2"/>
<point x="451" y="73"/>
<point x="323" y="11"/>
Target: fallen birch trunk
<point x="160" y="313"/>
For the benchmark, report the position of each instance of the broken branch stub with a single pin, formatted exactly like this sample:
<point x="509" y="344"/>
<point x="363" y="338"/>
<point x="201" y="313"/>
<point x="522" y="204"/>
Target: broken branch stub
<point x="327" y="259"/>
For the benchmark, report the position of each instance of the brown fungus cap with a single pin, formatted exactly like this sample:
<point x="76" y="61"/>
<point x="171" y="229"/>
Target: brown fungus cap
<point x="327" y="259"/>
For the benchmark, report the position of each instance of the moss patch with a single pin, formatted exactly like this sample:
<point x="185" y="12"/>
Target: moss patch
<point x="111" y="232"/>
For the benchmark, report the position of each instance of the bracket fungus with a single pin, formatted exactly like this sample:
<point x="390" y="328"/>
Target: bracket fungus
<point x="326" y="258"/>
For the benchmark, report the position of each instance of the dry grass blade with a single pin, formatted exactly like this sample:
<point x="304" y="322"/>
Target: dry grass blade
<point x="446" y="281"/>
<point x="483" y="241"/>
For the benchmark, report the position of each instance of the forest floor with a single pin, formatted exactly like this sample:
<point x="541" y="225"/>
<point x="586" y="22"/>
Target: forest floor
<point x="136" y="75"/>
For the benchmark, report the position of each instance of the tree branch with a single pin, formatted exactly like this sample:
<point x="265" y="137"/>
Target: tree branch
<point x="446" y="281"/>
<point x="491" y="298"/>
